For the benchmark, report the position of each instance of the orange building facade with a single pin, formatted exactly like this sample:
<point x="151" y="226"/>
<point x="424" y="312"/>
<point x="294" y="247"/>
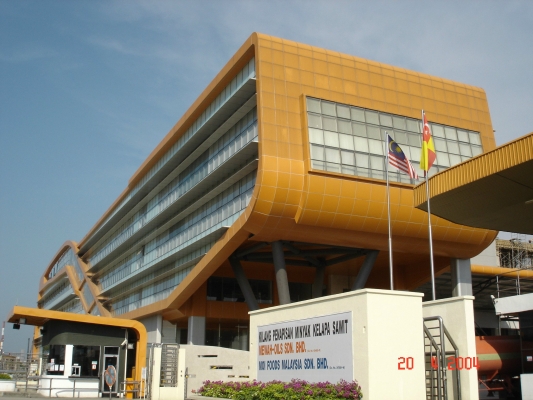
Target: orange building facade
<point x="271" y="189"/>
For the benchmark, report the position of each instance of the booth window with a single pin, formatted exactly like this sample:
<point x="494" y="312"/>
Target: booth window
<point x="56" y="359"/>
<point x="86" y="359"/>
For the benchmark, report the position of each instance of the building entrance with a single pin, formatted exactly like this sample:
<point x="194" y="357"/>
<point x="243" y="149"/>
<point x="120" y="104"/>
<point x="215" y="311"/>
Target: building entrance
<point x="111" y="357"/>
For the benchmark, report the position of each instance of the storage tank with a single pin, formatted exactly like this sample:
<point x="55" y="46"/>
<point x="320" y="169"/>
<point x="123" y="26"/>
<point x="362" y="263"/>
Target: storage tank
<point x="498" y="355"/>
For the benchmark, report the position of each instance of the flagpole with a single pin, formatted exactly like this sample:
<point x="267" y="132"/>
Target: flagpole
<point x="388" y="212"/>
<point x="430" y="241"/>
<point x="426" y="173"/>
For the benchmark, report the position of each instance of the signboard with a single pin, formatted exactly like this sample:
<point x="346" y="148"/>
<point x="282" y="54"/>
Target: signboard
<point x="316" y="349"/>
<point x="110" y="376"/>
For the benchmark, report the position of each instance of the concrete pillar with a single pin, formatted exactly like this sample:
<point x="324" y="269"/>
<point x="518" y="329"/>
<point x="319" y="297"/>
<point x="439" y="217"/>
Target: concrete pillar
<point x="319" y="281"/>
<point x="154" y="327"/>
<point x="365" y="270"/>
<point x="244" y="284"/>
<point x="243" y="340"/>
<point x="69" y="350"/>
<point x="461" y="277"/>
<point x="281" y="273"/>
<point x="168" y="333"/>
<point x="196" y="331"/>
<point x="156" y="374"/>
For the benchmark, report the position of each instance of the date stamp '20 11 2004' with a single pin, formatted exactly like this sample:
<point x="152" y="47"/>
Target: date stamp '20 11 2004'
<point x="453" y="363"/>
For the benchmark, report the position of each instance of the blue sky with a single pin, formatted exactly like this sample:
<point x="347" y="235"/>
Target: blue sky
<point x="88" y="89"/>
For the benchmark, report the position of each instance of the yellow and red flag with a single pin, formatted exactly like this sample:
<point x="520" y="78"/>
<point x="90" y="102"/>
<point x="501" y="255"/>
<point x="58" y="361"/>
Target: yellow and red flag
<point x="428" y="155"/>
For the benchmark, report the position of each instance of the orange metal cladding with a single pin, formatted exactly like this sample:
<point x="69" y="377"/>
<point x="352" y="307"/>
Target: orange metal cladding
<point x="292" y="202"/>
<point x="295" y="203"/>
<point x="498" y="355"/>
<point x="75" y="283"/>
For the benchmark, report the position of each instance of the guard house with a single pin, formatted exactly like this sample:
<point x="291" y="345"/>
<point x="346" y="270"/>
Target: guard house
<point x="76" y="350"/>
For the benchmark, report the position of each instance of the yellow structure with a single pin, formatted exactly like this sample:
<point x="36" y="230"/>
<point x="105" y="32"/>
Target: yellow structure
<point x="495" y="190"/>
<point x="312" y="205"/>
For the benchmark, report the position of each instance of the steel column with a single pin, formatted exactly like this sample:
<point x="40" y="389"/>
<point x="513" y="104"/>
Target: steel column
<point x="281" y="273"/>
<point x="244" y="284"/>
<point x="365" y="270"/>
<point x="319" y="281"/>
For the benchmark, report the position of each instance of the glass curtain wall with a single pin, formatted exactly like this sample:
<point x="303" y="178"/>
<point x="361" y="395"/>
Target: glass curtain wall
<point x="247" y="73"/>
<point x="351" y="140"/>
<point x="242" y="133"/>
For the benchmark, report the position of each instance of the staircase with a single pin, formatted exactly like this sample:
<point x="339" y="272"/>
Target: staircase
<point x="436" y="337"/>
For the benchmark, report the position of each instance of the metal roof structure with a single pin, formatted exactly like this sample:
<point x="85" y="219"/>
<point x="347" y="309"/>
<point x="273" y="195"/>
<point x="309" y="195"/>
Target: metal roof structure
<point x="493" y="190"/>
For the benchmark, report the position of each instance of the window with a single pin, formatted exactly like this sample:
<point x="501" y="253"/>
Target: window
<point x="300" y="291"/>
<point x="87" y="359"/>
<point x="55" y="360"/>
<point x="228" y="289"/>
<point x="360" y="132"/>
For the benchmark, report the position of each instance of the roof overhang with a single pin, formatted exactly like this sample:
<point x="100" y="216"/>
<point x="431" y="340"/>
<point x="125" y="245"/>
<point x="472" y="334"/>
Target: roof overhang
<point x="38" y="317"/>
<point x="492" y="191"/>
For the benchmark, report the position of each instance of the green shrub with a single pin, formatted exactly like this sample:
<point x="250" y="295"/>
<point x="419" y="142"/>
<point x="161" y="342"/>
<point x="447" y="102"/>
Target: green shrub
<point x="5" y="376"/>
<point x="296" y="389"/>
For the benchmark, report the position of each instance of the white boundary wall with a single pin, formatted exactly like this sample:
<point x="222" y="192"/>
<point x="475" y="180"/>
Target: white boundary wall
<point x="64" y="387"/>
<point x="526" y="382"/>
<point x="386" y="325"/>
<point x="197" y="364"/>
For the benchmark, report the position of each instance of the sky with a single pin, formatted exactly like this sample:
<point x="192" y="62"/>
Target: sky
<point x="89" y="88"/>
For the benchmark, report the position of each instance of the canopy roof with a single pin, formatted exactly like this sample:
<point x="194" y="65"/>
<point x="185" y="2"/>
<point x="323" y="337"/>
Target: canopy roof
<point x="491" y="191"/>
<point x="38" y="317"/>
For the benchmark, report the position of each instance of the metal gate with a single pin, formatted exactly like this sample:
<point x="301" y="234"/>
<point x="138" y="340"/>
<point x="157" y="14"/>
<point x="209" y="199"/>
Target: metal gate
<point x="169" y="365"/>
<point x="168" y="368"/>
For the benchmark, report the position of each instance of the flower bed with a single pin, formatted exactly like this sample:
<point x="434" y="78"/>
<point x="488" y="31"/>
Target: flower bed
<point x="296" y="389"/>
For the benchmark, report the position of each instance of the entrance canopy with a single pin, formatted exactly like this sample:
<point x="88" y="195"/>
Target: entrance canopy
<point x="38" y="317"/>
<point x="491" y="191"/>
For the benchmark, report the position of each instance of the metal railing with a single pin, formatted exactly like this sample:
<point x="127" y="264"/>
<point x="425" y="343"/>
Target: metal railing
<point x="440" y="358"/>
<point x="431" y="372"/>
<point x="50" y="387"/>
<point x="18" y="365"/>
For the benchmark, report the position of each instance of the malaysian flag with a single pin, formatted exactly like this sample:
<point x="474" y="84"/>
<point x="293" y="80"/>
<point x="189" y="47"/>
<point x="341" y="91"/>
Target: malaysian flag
<point x="398" y="159"/>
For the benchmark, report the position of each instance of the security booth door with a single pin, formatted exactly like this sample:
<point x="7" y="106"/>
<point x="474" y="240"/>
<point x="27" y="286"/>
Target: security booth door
<point x="111" y="354"/>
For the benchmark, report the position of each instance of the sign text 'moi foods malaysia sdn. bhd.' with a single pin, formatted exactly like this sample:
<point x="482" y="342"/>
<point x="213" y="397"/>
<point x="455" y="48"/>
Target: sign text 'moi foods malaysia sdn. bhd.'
<point x="316" y="349"/>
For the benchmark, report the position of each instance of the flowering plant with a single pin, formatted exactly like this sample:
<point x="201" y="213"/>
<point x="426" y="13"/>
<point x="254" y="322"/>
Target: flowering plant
<point x="296" y="389"/>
